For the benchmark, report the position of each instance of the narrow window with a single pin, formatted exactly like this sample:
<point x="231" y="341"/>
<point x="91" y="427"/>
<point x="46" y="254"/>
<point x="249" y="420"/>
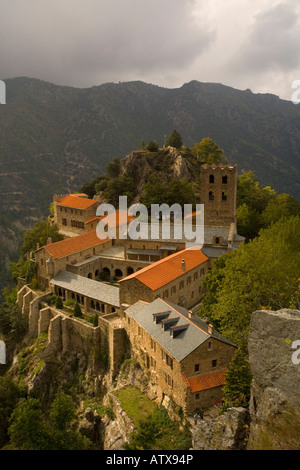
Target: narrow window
<point x="224" y="179"/>
<point x="211" y="196"/>
<point x="211" y="178"/>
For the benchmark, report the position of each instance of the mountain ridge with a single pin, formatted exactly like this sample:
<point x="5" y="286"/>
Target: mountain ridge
<point x="55" y="138"/>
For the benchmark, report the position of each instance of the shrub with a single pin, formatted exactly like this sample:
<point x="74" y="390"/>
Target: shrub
<point x="77" y="310"/>
<point x="58" y="303"/>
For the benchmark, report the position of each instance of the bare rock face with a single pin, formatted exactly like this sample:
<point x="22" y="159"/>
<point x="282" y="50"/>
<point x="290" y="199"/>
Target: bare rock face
<point x="275" y="367"/>
<point x="228" y="431"/>
<point x="91" y="426"/>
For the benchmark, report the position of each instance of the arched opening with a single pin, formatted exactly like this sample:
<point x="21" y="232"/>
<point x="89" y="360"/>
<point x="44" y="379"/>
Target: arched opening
<point x="118" y="273"/>
<point x="129" y="270"/>
<point x="105" y="275"/>
<point x="90" y="276"/>
<point x="97" y="274"/>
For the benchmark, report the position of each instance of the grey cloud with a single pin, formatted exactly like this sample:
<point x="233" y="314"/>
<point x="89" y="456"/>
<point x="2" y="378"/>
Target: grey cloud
<point x="75" y="42"/>
<point x="273" y="42"/>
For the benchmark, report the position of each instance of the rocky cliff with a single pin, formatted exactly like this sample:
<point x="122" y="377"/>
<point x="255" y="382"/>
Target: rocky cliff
<point x="275" y="394"/>
<point x="273" y="419"/>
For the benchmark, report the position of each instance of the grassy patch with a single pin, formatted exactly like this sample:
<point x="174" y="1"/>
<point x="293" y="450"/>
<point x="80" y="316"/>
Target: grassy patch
<point x="155" y="430"/>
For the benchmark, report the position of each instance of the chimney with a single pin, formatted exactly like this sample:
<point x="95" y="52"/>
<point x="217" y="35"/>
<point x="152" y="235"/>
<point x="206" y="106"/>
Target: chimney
<point x="49" y="240"/>
<point x="210" y="329"/>
<point x="190" y="313"/>
<point x="183" y="266"/>
<point x="37" y="246"/>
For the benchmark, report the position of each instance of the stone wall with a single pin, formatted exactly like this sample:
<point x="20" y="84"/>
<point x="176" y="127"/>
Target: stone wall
<point x="104" y="344"/>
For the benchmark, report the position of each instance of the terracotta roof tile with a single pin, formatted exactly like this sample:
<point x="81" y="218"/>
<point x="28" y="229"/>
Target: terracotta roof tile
<point x="73" y="245"/>
<point x="167" y="269"/>
<point x="110" y="218"/>
<point x="205" y="381"/>
<point x="76" y="202"/>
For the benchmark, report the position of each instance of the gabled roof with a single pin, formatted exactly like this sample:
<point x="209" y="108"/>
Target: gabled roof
<point x="205" y="381"/>
<point x="188" y="335"/>
<point x="190" y="332"/>
<point x="167" y="269"/>
<point x="76" y="202"/>
<point x="73" y="245"/>
<point x="88" y="287"/>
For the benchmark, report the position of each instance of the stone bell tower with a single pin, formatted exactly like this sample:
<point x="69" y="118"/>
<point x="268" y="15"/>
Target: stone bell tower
<point x="218" y="194"/>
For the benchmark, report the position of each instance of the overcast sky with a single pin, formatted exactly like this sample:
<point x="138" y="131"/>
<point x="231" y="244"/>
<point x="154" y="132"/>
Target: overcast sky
<point x="241" y="43"/>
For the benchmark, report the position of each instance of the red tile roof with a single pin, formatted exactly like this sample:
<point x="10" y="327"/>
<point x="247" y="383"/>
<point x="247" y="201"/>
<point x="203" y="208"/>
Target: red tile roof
<point x="110" y="219"/>
<point x="205" y="381"/>
<point x="76" y="202"/>
<point x="167" y="269"/>
<point x="73" y="245"/>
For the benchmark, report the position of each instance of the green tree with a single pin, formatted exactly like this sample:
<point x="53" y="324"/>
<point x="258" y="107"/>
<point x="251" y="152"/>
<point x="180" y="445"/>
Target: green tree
<point x="90" y="188"/>
<point x="282" y="205"/>
<point x="30" y="430"/>
<point x="77" y="310"/>
<point x="27" y="430"/>
<point x="174" y="140"/>
<point x="261" y="274"/>
<point x="113" y="168"/>
<point x="250" y="192"/>
<point x="236" y="391"/>
<point x="174" y="192"/>
<point x="13" y="324"/>
<point x="152" y="146"/>
<point x="123" y="186"/>
<point x="9" y="396"/>
<point x="59" y="303"/>
<point x="40" y="234"/>
<point x="146" y="435"/>
<point x="248" y="221"/>
<point x="209" y="152"/>
<point x="62" y="414"/>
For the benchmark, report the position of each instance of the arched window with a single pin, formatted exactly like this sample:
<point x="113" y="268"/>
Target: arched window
<point x="211" y="178"/>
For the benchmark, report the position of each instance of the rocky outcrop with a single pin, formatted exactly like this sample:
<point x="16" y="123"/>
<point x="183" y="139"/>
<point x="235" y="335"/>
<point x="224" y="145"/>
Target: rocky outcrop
<point x="91" y="426"/>
<point x="167" y="164"/>
<point x="228" y="431"/>
<point x="275" y="392"/>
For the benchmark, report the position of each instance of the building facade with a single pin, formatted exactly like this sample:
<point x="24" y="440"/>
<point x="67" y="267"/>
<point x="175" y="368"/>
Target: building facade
<point x="186" y="358"/>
